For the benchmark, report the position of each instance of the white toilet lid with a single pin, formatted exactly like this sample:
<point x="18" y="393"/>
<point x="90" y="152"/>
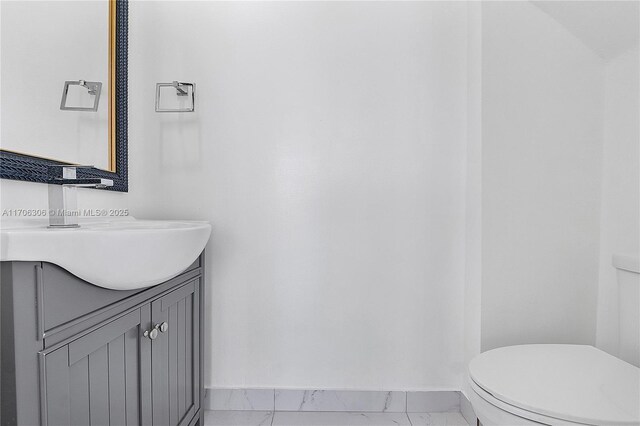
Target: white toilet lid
<point x="576" y="383"/>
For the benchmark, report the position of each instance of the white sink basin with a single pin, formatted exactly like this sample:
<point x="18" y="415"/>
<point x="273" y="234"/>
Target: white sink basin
<point x="120" y="254"/>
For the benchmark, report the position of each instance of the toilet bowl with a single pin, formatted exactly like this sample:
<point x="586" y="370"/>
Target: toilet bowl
<point x="562" y="384"/>
<point x="554" y="385"/>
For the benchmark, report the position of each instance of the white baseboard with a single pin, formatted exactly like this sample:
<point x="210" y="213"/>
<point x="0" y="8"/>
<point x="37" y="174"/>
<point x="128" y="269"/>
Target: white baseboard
<point x="329" y="400"/>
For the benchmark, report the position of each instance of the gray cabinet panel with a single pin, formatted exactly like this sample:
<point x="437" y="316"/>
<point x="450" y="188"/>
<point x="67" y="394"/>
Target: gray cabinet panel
<point x="160" y="368"/>
<point x="60" y="286"/>
<point x="79" y="325"/>
<point x="79" y="392"/>
<point x="93" y="380"/>
<point x="189" y="350"/>
<point x="56" y="378"/>
<point x="85" y="345"/>
<point x="75" y="354"/>
<point x="174" y="415"/>
<point x="19" y="344"/>
<point x="117" y="390"/>
<point x="181" y="349"/>
<point x="99" y="386"/>
<point x="176" y="357"/>
<point x="146" y="402"/>
<point x="131" y="367"/>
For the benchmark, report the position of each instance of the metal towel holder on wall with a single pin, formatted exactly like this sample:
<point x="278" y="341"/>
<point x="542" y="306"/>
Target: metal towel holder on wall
<point x="93" y="88"/>
<point x="182" y="89"/>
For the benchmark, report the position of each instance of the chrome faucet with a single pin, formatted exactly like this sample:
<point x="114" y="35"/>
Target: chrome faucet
<point x="63" y="199"/>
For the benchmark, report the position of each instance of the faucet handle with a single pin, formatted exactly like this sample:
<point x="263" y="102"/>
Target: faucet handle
<point x="65" y="174"/>
<point x="64" y="171"/>
<point x="99" y="183"/>
<point x="75" y="166"/>
<point x="69" y="168"/>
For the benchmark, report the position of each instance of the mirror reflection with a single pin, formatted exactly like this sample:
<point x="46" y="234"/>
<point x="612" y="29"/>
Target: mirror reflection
<point x="75" y="36"/>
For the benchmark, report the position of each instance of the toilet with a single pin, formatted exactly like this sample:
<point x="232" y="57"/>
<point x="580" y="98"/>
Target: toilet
<point x="562" y="384"/>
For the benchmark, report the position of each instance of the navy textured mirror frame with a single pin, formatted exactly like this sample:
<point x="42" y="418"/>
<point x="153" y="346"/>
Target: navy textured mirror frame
<point x="30" y="168"/>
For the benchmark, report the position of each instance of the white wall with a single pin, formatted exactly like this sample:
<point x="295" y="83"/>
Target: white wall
<point x="542" y="96"/>
<point x="366" y="166"/>
<point x="328" y="150"/>
<point x="473" y="189"/>
<point x="619" y="226"/>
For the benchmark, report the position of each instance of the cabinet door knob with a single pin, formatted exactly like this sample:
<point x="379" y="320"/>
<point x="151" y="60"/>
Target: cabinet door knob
<point x="151" y="334"/>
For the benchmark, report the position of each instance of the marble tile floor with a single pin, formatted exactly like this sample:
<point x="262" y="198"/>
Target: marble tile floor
<point x="311" y="418"/>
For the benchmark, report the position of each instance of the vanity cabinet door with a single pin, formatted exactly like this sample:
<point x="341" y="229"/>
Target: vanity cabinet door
<point x="96" y="379"/>
<point x="175" y="356"/>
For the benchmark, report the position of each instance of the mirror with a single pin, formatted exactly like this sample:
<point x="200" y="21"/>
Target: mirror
<point x="64" y="76"/>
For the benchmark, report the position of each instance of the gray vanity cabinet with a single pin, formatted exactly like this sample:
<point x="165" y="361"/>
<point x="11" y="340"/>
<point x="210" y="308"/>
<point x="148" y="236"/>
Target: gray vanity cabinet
<point x="102" y="373"/>
<point x="175" y="359"/>
<point x="99" y="356"/>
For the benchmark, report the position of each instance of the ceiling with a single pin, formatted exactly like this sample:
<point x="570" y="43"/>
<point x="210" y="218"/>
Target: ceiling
<point x="609" y="28"/>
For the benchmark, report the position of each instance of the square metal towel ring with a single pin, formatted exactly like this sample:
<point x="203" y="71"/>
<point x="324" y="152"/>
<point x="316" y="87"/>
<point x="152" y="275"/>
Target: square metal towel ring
<point x="183" y="90"/>
<point x="93" y="88"/>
